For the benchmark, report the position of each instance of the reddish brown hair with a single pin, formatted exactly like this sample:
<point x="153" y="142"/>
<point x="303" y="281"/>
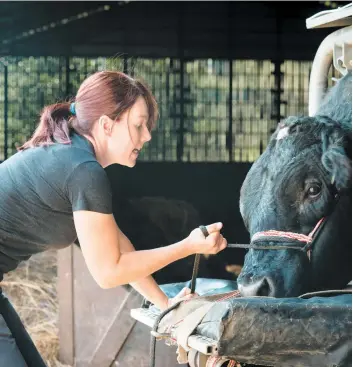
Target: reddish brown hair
<point x="109" y="93"/>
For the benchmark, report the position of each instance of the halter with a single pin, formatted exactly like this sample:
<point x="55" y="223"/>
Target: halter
<point x="282" y="240"/>
<point x="269" y="240"/>
<point x="289" y="240"/>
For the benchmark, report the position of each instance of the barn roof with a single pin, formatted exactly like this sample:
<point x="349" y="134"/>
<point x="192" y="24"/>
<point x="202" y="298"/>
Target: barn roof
<point x="217" y="29"/>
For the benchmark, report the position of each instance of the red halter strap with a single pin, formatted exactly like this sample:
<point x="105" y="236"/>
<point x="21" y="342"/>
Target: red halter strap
<point x="307" y="239"/>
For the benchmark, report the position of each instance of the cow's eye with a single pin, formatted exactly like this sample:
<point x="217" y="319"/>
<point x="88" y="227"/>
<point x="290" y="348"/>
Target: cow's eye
<point x="314" y="190"/>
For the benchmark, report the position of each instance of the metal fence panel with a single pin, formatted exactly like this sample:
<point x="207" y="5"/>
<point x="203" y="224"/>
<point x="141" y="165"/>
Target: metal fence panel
<point x="211" y="110"/>
<point x="3" y="113"/>
<point x="163" y="76"/>
<point x="253" y="107"/>
<point x="32" y="83"/>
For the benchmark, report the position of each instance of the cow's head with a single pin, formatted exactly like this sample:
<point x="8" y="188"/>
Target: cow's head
<point x="290" y="188"/>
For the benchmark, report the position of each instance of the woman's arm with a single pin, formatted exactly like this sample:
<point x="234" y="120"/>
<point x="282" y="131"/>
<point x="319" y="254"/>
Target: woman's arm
<point x="147" y="287"/>
<point x="100" y="242"/>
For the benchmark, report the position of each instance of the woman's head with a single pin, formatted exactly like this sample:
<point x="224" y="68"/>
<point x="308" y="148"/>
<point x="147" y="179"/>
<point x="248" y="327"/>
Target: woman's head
<point x="114" y="111"/>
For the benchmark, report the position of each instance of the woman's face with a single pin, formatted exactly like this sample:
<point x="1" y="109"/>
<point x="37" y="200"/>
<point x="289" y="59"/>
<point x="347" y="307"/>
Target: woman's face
<point x="127" y="135"/>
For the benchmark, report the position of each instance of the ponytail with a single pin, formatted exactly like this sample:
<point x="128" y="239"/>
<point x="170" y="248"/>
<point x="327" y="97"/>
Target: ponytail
<point x="54" y="127"/>
<point x="109" y="93"/>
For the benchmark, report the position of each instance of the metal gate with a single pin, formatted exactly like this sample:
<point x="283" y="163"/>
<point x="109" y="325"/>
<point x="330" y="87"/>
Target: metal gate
<point x="211" y="110"/>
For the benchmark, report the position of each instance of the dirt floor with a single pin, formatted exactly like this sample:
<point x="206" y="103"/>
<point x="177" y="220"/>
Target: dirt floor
<point x="32" y="290"/>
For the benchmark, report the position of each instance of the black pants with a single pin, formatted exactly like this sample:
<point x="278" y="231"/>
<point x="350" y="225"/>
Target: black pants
<point x="16" y="346"/>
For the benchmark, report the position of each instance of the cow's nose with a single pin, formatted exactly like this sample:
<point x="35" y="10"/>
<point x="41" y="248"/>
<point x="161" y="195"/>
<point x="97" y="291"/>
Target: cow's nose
<point x="261" y="287"/>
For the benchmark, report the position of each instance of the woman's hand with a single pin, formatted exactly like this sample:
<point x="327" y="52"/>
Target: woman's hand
<point x="183" y="295"/>
<point x="197" y="243"/>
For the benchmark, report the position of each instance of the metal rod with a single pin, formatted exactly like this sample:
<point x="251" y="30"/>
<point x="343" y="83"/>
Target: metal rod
<point x="194" y="273"/>
<point x="6" y="102"/>
<point x="265" y="247"/>
<point x="180" y="144"/>
<point x="229" y="141"/>
<point x="126" y="64"/>
<point x="321" y="65"/>
<point x="278" y="62"/>
<point x="67" y="74"/>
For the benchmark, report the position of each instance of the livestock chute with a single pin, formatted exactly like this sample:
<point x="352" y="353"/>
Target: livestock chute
<point x="262" y="331"/>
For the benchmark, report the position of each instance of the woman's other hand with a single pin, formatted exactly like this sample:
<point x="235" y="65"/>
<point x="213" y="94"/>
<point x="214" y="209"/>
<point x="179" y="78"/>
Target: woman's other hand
<point x="183" y="295"/>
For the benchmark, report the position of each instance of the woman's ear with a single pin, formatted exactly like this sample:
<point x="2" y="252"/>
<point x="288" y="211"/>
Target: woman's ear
<point x="106" y="124"/>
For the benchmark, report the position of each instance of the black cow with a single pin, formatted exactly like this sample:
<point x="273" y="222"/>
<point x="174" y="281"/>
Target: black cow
<point x="294" y="184"/>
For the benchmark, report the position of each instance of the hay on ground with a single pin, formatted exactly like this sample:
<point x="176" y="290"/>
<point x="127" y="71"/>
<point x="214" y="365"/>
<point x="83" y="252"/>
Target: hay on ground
<point x="31" y="288"/>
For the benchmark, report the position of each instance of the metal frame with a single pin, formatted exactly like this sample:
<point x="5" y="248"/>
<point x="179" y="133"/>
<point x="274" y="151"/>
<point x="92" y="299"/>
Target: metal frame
<point x="203" y="350"/>
<point x="339" y="17"/>
<point x="336" y="48"/>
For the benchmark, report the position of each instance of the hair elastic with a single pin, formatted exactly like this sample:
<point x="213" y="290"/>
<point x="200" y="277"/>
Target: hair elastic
<point x="72" y="108"/>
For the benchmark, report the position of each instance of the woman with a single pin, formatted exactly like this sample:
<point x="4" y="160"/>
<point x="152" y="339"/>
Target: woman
<point x="55" y="189"/>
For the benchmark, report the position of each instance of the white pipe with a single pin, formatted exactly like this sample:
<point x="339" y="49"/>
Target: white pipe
<point x="322" y="63"/>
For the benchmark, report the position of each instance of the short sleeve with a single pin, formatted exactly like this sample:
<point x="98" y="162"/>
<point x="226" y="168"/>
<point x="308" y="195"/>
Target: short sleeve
<point x="89" y="188"/>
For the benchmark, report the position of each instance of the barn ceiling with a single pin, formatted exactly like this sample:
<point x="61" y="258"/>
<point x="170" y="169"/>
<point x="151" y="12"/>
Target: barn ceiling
<point x="222" y="29"/>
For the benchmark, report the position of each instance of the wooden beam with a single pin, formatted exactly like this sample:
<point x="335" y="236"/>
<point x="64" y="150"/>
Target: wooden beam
<point x="117" y="332"/>
<point x="66" y="313"/>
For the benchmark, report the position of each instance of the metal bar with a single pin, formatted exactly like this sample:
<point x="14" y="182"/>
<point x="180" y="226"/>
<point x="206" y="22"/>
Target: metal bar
<point x="230" y="112"/>
<point x="144" y="315"/>
<point x="180" y="144"/>
<point x="277" y="91"/>
<point x="132" y="66"/>
<point x="331" y="18"/>
<point x="126" y="64"/>
<point x="277" y="70"/>
<point x="67" y="74"/>
<point x="163" y="130"/>
<point x="322" y="63"/>
<point x="86" y="67"/>
<point x="267" y="247"/>
<point x="6" y="102"/>
<point x="201" y="343"/>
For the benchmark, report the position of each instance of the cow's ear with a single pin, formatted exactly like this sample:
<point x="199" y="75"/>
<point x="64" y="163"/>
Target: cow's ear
<point x="336" y="159"/>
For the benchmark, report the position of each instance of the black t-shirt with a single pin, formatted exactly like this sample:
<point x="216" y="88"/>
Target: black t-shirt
<point x="40" y="188"/>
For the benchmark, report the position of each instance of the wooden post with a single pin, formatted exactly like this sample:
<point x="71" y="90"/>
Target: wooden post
<point x="66" y="309"/>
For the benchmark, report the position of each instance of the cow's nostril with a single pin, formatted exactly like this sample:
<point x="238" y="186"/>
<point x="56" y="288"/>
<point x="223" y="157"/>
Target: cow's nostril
<point x="264" y="289"/>
<point x="260" y="287"/>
